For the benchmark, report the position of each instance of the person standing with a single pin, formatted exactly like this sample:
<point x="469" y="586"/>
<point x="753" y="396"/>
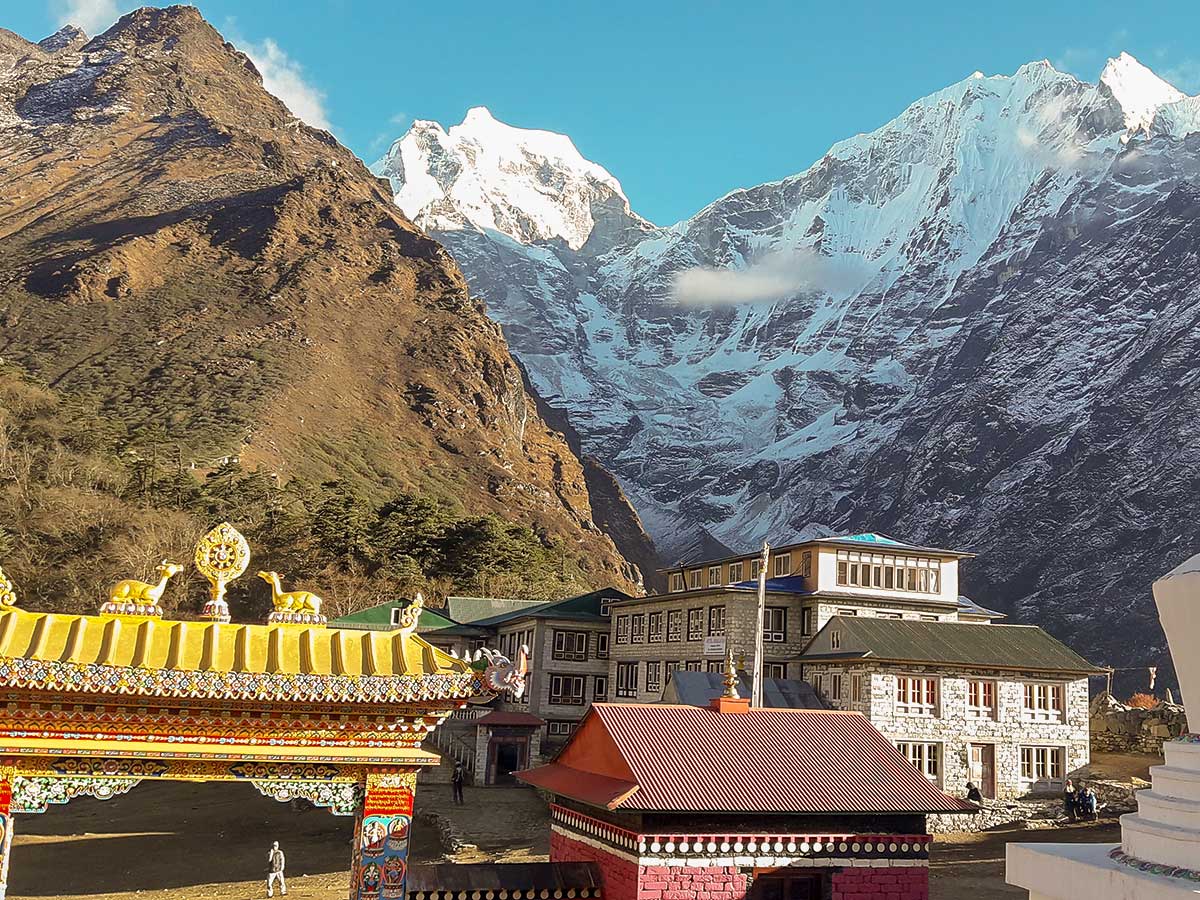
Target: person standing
<point x="275" y="863"/>
<point x="1070" y="800"/>
<point x="456" y="782"/>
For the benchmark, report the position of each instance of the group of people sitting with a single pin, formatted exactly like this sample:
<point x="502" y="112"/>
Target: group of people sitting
<point x="1079" y="801"/>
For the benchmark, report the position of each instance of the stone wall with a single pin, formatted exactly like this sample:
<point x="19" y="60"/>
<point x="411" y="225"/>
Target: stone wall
<point x="1119" y="728"/>
<point x="1115" y="798"/>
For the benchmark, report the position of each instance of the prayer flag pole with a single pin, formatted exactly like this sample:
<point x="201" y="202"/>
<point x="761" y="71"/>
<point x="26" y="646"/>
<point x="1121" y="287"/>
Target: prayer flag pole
<point x="756" y="690"/>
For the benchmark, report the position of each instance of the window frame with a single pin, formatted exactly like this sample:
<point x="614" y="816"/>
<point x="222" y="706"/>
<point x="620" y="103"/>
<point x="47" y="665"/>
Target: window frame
<point x="569" y="645"/>
<point x="599" y="688"/>
<point x="775" y="670"/>
<point x="695" y="576"/>
<point x="808" y="621"/>
<point x="921" y="702"/>
<point x="637" y="628"/>
<point x="981" y="698"/>
<point x="655" y="629"/>
<point x="924" y="756"/>
<point x="562" y="695"/>
<point x="717" y="582"/>
<point x="1043" y="695"/>
<point x="678" y="584"/>
<point x="782" y="565"/>
<point x="653" y="676"/>
<point x="735" y="571"/>
<point x="856" y="683"/>
<point x="602" y="645"/>
<point x="716" y="620"/>
<point x="674" y="626"/>
<point x="627" y="679"/>
<point x="623" y="629"/>
<point x="1037" y="764"/>
<point x="695" y="616"/>
<point x="775" y="632"/>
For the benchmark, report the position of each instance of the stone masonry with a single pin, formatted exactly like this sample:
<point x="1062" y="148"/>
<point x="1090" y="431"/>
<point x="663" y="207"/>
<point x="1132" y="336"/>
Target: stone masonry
<point x="1119" y="728"/>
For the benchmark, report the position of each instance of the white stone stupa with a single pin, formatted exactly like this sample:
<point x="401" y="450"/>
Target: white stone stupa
<point x="1159" y="854"/>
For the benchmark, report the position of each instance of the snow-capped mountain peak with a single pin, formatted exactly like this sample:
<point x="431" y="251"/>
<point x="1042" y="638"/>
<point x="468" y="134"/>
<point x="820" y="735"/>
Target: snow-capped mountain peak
<point x="527" y="184"/>
<point x="1138" y="90"/>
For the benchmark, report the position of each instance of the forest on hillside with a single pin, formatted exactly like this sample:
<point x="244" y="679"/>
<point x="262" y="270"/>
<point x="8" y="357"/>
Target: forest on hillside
<point x="86" y="500"/>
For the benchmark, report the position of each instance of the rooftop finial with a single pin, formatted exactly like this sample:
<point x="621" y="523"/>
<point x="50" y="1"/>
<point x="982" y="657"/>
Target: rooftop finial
<point x="221" y="556"/>
<point x="8" y="593"/>
<point x="731" y="678"/>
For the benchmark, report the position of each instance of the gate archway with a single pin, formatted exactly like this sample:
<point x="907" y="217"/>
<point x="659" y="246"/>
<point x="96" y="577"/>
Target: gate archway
<point x="92" y="705"/>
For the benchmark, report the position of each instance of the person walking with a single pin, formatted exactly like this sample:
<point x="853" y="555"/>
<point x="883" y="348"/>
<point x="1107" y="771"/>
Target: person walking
<point x="275" y="863"/>
<point x="456" y="782"/>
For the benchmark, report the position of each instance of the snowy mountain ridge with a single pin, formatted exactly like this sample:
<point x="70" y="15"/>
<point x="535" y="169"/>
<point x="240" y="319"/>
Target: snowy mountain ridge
<point x="836" y="350"/>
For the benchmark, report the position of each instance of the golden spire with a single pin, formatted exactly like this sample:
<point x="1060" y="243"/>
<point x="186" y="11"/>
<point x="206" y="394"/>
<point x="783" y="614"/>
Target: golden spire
<point x="731" y="678"/>
<point x="8" y="593"/>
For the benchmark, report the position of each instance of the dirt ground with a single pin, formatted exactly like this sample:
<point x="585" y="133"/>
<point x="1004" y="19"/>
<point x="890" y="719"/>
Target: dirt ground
<point x="178" y="841"/>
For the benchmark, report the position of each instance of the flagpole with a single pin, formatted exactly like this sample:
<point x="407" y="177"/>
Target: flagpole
<point x="756" y="690"/>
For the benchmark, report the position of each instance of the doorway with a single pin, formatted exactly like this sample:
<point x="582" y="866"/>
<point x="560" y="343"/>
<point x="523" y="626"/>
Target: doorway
<point x="983" y="769"/>
<point x="506" y="756"/>
<point x="788" y="884"/>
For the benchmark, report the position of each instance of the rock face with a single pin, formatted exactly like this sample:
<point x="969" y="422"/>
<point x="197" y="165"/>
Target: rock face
<point x="975" y="326"/>
<point x="179" y="245"/>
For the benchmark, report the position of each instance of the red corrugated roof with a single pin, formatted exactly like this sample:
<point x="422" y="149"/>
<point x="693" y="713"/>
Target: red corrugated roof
<point x="688" y="758"/>
<point x="587" y="787"/>
<point x="510" y="717"/>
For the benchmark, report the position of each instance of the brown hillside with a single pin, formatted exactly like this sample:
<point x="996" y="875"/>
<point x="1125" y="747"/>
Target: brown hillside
<point x="178" y="246"/>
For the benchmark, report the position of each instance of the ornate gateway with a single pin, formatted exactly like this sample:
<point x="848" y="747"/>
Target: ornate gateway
<point x="91" y="705"/>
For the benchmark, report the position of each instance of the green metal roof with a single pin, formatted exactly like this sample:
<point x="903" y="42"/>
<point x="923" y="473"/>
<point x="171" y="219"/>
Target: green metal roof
<point x="469" y="610"/>
<point x="945" y="643"/>
<point x="584" y="608"/>
<point x="380" y="618"/>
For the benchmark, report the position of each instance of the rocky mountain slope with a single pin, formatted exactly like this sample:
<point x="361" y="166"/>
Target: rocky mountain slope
<point x="177" y="245"/>
<point x="971" y="326"/>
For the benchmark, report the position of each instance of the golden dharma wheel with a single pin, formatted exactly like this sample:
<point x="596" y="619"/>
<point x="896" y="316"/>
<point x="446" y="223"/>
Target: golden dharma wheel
<point x="221" y="556"/>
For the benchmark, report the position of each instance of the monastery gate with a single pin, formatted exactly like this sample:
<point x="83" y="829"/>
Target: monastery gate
<point x="92" y="705"/>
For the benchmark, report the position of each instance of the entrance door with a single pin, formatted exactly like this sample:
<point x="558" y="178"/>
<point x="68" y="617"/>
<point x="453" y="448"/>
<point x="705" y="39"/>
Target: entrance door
<point x="983" y="769"/>
<point x="787" y="884"/>
<point x="508" y="760"/>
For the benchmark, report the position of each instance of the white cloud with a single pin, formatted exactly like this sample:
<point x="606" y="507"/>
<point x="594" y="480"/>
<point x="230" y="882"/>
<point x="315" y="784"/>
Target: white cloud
<point x="284" y="77"/>
<point x="93" y="16"/>
<point x="773" y="277"/>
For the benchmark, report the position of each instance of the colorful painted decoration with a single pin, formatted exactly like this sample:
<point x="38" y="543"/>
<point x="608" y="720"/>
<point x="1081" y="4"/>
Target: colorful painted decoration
<point x="222" y="556"/>
<point x="34" y="794"/>
<point x="8" y="593"/>
<point x="340" y="798"/>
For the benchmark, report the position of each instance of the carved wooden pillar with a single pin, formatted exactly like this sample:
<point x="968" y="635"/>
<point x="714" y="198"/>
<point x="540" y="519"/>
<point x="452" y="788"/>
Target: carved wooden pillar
<point x="6" y="829"/>
<point x="379" y="866"/>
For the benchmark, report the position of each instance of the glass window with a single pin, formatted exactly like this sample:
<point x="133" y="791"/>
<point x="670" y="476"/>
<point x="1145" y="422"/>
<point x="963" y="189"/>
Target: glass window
<point x="675" y="625"/>
<point x="714" y="576"/>
<point x="695" y="624"/>
<point x="981" y="699"/>
<point x="637" y="628"/>
<point x="560" y="729"/>
<point x="774" y="670"/>
<point x="566" y="690"/>
<point x="656" y="627"/>
<point x="755" y="567"/>
<point x="570" y="645"/>
<point x="735" y="572"/>
<point x="783" y="565"/>
<point x="775" y="624"/>
<point x="653" y="676"/>
<point x="856" y="681"/>
<point x="1041" y="766"/>
<point x="806" y="564"/>
<point x="627" y="679"/>
<point x="695" y="578"/>
<point x="808" y="620"/>
<point x="1043" y="702"/>
<point x="622" y="630"/>
<point x="602" y="645"/>
<point x="676" y="582"/>
<point x="694" y="665"/>
<point x="716" y="665"/>
<point x="716" y="621"/>
<point x="927" y="757"/>
<point x="916" y="695"/>
<point x="835" y="639"/>
<point x="600" y="688"/>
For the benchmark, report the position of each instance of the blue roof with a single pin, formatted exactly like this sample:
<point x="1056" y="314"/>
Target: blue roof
<point x="786" y="584"/>
<point x="867" y="537"/>
<point x="967" y="605"/>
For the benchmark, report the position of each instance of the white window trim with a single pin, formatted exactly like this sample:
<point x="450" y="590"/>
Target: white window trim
<point x="1043" y="697"/>
<point x="978" y="710"/>
<point x="926" y="756"/>
<point x="922" y="708"/>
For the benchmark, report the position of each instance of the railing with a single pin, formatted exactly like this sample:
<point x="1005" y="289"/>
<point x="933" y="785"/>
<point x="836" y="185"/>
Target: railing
<point x="453" y="745"/>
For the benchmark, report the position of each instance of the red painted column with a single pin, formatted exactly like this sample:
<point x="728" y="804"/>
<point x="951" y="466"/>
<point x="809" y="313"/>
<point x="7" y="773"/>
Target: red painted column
<point x="379" y="863"/>
<point x="6" y="832"/>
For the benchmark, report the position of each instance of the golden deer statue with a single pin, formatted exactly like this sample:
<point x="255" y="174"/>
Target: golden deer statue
<point x="302" y="602"/>
<point x="131" y="592"/>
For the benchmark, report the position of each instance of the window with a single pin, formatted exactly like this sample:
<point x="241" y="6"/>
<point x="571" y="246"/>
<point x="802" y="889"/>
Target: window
<point x="676" y="582"/>
<point x="627" y="679"/>
<point x="856" y="688"/>
<point x="774" y="670"/>
<point x="694" y="665"/>
<point x="835" y="686"/>
<point x="889" y="615"/>
<point x="716" y="621"/>
<point x="637" y="628"/>
<point x="694" y="578"/>
<point x="775" y="624"/>
<point x="656" y="628"/>
<point x="806" y="564"/>
<point x="926" y="757"/>
<point x="570" y="645"/>
<point x="808" y="621"/>
<point x="835" y="639"/>
<point x="670" y="667"/>
<point x="818" y="683"/>
<point x="1041" y="766"/>
<point x="783" y="565"/>
<point x="605" y="608"/>
<point x="898" y="573"/>
<point x="928" y="618"/>
<point x="622" y="630"/>
<point x="735" y="572"/>
<point x="600" y="688"/>
<point x="675" y="625"/>
<point x="1043" y="702"/>
<point x="566" y="690"/>
<point x="695" y="624"/>
<point x="981" y="699"/>
<point x="847" y="612"/>
<point x="716" y="665"/>
<point x="560" y="729"/>
<point x="755" y="567"/>
<point x="916" y="696"/>
<point x="714" y="576"/>
<point x="654" y="676"/>
<point x="602" y="645"/>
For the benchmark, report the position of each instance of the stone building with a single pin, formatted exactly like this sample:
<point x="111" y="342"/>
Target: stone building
<point x="712" y="606"/>
<point x="728" y="802"/>
<point x="1003" y="706"/>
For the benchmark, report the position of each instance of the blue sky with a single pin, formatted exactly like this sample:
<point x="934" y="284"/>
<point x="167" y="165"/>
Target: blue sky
<point x="682" y="101"/>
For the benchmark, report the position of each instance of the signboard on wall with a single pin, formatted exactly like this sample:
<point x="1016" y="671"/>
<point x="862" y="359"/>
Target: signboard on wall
<point x="714" y="646"/>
